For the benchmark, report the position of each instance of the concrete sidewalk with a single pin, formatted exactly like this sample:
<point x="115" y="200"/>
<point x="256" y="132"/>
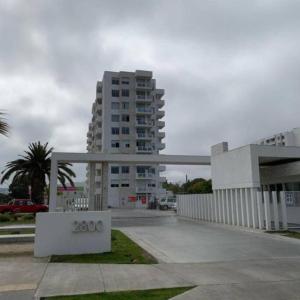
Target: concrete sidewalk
<point x="247" y="279"/>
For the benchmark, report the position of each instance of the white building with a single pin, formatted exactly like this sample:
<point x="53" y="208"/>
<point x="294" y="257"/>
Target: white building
<point x="126" y="119"/>
<point x="287" y="138"/>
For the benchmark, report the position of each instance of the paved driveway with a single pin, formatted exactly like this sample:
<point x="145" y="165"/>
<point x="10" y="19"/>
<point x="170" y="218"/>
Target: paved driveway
<point x="180" y="241"/>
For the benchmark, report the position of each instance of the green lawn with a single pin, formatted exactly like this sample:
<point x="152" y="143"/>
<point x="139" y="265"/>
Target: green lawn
<point x="159" y="294"/>
<point x="288" y="233"/>
<point x="124" y="251"/>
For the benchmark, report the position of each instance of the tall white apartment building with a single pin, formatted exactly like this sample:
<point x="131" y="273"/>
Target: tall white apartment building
<point x="287" y="138"/>
<point x="127" y="119"/>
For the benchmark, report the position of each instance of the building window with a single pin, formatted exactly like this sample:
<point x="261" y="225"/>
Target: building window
<point x="125" y="169"/>
<point x="125" y="130"/>
<point x="115" y="105"/>
<point x="125" y="118"/>
<point x="125" y="185"/>
<point x="114" y="170"/>
<point x="125" y="105"/>
<point x="125" y="80"/>
<point x="115" y="118"/>
<point x="99" y="100"/>
<point x="115" y="130"/>
<point x="115" y="93"/>
<point x="114" y="185"/>
<point x="126" y="144"/>
<point x="115" y="81"/>
<point x="125" y="93"/>
<point x="115" y="144"/>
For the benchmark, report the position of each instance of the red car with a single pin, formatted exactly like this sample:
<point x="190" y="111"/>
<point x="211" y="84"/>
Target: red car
<point x="22" y="206"/>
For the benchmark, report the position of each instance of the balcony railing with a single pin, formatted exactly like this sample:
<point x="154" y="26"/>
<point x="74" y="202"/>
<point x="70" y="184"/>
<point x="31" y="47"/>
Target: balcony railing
<point x="143" y="135"/>
<point x="143" y="98"/>
<point x="144" y="123"/>
<point x="143" y="84"/>
<point x="144" y="149"/>
<point x="145" y="175"/>
<point x="144" y="110"/>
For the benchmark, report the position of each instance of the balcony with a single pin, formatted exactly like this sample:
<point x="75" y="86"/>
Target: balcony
<point x="143" y="85"/>
<point x="144" y="149"/>
<point x="161" y="146"/>
<point x="161" y="135"/>
<point x="162" y="179"/>
<point x="143" y="98"/>
<point x="162" y="168"/>
<point x="160" y="92"/>
<point x="145" y="175"/>
<point x="161" y="124"/>
<point x="98" y="143"/>
<point x="144" y="189"/>
<point x="160" y="114"/>
<point x="143" y="136"/>
<point x="144" y="110"/>
<point x="97" y="178"/>
<point x="143" y="123"/>
<point x="160" y="103"/>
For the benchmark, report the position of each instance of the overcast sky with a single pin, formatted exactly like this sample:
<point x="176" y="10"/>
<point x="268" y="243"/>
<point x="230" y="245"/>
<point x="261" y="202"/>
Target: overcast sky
<point x="230" y="69"/>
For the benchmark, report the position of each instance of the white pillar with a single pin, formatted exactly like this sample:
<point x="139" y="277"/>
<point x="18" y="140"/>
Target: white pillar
<point x="53" y="184"/>
<point x="228" y="219"/>
<point x="283" y="211"/>
<point x="267" y="210"/>
<point x="202" y="207"/>
<point x="223" y="206"/>
<point x="254" y="207"/>
<point x="232" y="204"/>
<point x="216" y="206"/>
<point x="247" y="202"/>
<point x="275" y="210"/>
<point x="237" y="213"/>
<point x="242" y="203"/>
<point x="104" y="186"/>
<point x="260" y="210"/>
<point x="92" y="173"/>
<point x="220" y="205"/>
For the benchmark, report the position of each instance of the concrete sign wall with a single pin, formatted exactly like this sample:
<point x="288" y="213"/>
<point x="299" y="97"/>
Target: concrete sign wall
<point x="72" y="233"/>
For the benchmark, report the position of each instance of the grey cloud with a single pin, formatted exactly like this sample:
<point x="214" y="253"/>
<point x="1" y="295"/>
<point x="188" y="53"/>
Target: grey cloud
<point x="230" y="69"/>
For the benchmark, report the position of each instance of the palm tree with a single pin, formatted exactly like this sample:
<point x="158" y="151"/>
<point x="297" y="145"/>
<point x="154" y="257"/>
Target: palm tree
<point x="3" y="125"/>
<point x="35" y="165"/>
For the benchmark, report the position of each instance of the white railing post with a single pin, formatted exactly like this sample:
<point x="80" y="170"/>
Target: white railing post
<point x="254" y="207"/>
<point x="247" y="202"/>
<point x="220" y="206"/>
<point x="242" y="203"/>
<point x="283" y="211"/>
<point x="237" y="194"/>
<point x="267" y="210"/>
<point x="232" y="207"/>
<point x="223" y="205"/>
<point x="227" y="207"/>
<point x="275" y="210"/>
<point x="260" y="209"/>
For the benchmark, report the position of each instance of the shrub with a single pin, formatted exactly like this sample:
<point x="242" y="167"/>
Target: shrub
<point x="28" y="217"/>
<point x="4" y="218"/>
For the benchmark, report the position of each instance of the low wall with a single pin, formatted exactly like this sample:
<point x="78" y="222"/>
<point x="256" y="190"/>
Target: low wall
<point x="72" y="233"/>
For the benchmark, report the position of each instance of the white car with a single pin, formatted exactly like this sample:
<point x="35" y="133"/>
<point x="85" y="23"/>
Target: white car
<point x="168" y="203"/>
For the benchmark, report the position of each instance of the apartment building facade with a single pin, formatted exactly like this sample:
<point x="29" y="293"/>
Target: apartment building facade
<point x="126" y="118"/>
<point x="286" y="138"/>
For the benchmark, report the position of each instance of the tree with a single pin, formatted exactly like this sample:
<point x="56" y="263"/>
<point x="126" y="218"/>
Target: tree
<point x="195" y="186"/>
<point x="3" y="125"/>
<point x="19" y="188"/>
<point x="35" y="165"/>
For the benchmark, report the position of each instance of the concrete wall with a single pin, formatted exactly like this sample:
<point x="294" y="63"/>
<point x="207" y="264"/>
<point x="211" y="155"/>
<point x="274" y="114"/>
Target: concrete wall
<point x="237" y="168"/>
<point x="58" y="233"/>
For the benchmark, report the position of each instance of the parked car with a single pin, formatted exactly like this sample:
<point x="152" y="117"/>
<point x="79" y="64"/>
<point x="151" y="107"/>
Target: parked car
<point x="22" y="206"/>
<point x="168" y="203"/>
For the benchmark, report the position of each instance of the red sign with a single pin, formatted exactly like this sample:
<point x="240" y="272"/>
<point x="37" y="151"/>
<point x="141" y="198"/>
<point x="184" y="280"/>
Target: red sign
<point x="132" y="198"/>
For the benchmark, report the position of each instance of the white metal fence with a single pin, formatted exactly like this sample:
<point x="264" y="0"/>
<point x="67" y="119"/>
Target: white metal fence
<point x="243" y="207"/>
